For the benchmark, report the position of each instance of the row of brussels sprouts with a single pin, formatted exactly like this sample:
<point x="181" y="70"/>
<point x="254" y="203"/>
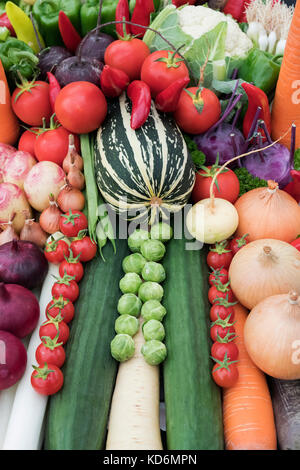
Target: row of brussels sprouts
<point x="142" y="292"/>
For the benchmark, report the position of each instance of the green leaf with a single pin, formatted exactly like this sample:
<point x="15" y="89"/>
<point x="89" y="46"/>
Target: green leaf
<point x="297" y="160"/>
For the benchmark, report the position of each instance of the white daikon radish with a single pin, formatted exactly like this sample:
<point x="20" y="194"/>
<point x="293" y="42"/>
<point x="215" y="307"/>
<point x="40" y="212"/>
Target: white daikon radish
<point x="25" y="427"/>
<point x="6" y="403"/>
<point x="134" y="414"/>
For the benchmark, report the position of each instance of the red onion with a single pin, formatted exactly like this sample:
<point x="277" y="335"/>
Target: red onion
<point x="13" y="359"/>
<point x="22" y="262"/>
<point x="19" y="310"/>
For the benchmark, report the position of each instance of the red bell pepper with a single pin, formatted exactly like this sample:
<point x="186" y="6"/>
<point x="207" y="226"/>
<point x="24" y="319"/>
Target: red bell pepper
<point x="113" y="81"/>
<point x="4" y="22"/>
<point x="167" y="100"/>
<point x="256" y="99"/>
<point x="69" y="35"/>
<point x="122" y="12"/>
<point x="236" y="8"/>
<point x="140" y="95"/>
<point x="293" y="188"/>
<point x="141" y="15"/>
<point x="53" y="90"/>
<point x="179" y="3"/>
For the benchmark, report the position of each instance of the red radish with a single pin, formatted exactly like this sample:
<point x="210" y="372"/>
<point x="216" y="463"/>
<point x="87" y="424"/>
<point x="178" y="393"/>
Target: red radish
<point x="43" y="179"/>
<point x="13" y="199"/>
<point x="17" y="167"/>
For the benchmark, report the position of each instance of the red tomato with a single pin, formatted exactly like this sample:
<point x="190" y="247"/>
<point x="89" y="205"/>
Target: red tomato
<point x="296" y="243"/>
<point x="220" y="274"/>
<point x="85" y="248"/>
<point x="67" y="287"/>
<point x="56" y="250"/>
<point x="219" y="256"/>
<point x="72" y="267"/>
<point x="237" y="243"/>
<point x="52" y="145"/>
<point x="61" y="306"/>
<point x="72" y="223"/>
<point x="127" y="55"/>
<point x="31" y="103"/>
<point x="220" y="291"/>
<point x="50" y="352"/>
<point x="81" y="107"/>
<point x="196" y="114"/>
<point x="227" y="185"/>
<point x="161" y="69"/>
<point x="27" y="140"/>
<point x="221" y="351"/>
<point x="222" y="331"/>
<point x="47" y="379"/>
<point x="220" y="312"/>
<point x="50" y="328"/>
<point x="225" y="376"/>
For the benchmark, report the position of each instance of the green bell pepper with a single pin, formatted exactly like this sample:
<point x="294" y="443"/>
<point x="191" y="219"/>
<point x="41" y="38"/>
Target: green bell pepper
<point x="262" y="69"/>
<point x="46" y="14"/>
<point x="18" y="58"/>
<point x="89" y="16"/>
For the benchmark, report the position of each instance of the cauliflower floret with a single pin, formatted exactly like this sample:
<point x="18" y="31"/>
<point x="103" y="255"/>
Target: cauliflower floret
<point x="198" y="20"/>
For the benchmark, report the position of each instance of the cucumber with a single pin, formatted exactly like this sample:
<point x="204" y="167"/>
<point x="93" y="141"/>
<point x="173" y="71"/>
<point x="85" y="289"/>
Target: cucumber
<point x="192" y="399"/>
<point x="78" y="414"/>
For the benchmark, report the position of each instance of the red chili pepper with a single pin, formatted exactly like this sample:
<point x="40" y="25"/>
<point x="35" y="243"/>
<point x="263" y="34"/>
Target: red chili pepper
<point x="256" y="98"/>
<point x="293" y="188"/>
<point x="167" y="100"/>
<point x="54" y="89"/>
<point x="140" y="95"/>
<point x="122" y="12"/>
<point x="4" y="22"/>
<point x="141" y="15"/>
<point x="113" y="81"/>
<point x="69" y="35"/>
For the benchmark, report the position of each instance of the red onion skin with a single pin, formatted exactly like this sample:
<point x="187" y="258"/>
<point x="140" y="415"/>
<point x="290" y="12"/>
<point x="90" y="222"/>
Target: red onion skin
<point x="22" y="262"/>
<point x="19" y="310"/>
<point x="13" y="359"/>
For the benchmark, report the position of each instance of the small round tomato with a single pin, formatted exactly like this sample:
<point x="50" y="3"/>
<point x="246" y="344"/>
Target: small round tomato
<point x="162" y="68"/>
<point x="73" y="267"/>
<point x="296" y="243"/>
<point x="51" y="327"/>
<point x="219" y="256"/>
<point x="221" y="351"/>
<point x="53" y="143"/>
<point x="220" y="291"/>
<point x="85" y="248"/>
<point x="220" y="312"/>
<point x="226" y="186"/>
<point x="225" y="376"/>
<point x="47" y="379"/>
<point x="197" y="110"/>
<point x="56" y="250"/>
<point x="222" y="331"/>
<point x="61" y="306"/>
<point x="31" y="103"/>
<point x="50" y="351"/>
<point x="72" y="223"/>
<point x="27" y="140"/>
<point x="127" y="55"/>
<point x="220" y="274"/>
<point x="67" y="287"/>
<point x="237" y="243"/>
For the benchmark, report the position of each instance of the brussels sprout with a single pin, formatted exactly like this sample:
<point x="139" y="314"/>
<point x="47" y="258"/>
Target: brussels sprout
<point x="153" y="271"/>
<point x="153" y="329"/>
<point x="154" y="352"/>
<point x="129" y="304"/>
<point x="127" y="324"/>
<point x="153" y="250"/>
<point x="161" y="231"/>
<point x="150" y="290"/>
<point x="133" y="263"/>
<point x="122" y="347"/>
<point x="153" y="309"/>
<point x="130" y="283"/>
<point x="136" y="239"/>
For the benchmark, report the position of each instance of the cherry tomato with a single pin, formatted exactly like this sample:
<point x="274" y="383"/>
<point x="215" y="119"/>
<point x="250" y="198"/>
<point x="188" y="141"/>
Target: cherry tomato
<point x="56" y="250"/>
<point x="61" y="306"/>
<point x="31" y="103"/>
<point x="51" y="328"/>
<point x="50" y="352"/>
<point x="85" y="248"/>
<point x="197" y="111"/>
<point x="219" y="331"/>
<point x="222" y="350"/>
<point x="73" y="267"/>
<point x="72" y="223"/>
<point x="225" y="376"/>
<point x="219" y="256"/>
<point x="227" y="185"/>
<point x="162" y="68"/>
<point x="81" y="107"/>
<point x="127" y="55"/>
<point x="220" y="312"/>
<point x="218" y="292"/>
<point x="47" y="379"/>
<point x="52" y="145"/>
<point x="27" y="140"/>
<point x="237" y="243"/>
<point x="67" y="287"/>
<point x="220" y="274"/>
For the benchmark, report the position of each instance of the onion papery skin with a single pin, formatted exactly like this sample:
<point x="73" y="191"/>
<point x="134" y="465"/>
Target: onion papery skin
<point x="254" y="275"/>
<point x="272" y="337"/>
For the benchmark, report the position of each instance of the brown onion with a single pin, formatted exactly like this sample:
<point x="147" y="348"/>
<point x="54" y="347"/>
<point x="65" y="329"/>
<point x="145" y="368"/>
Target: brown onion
<point x="75" y="176"/>
<point x="9" y="232"/>
<point x="50" y="217"/>
<point x="32" y="232"/>
<point x="72" y="155"/>
<point x="70" y="198"/>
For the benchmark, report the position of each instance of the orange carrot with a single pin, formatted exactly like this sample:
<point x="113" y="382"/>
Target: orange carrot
<point x="286" y="109"/>
<point x="247" y="408"/>
<point x="9" y="126"/>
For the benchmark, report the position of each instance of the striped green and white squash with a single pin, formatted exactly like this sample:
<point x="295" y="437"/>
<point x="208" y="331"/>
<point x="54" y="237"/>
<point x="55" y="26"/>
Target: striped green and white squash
<point x="140" y="172"/>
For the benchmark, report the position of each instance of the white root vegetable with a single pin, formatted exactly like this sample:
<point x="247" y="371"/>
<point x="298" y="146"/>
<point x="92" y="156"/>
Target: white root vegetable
<point x="134" y="414"/>
<point x="6" y="403"/>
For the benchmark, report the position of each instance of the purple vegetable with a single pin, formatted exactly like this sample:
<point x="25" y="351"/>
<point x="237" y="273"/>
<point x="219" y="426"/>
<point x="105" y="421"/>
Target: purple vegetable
<point x="13" y="359"/>
<point x="224" y="140"/>
<point x="50" y="57"/>
<point x="19" y="310"/>
<point x="77" y="69"/>
<point x="94" y="46"/>
<point x="23" y="263"/>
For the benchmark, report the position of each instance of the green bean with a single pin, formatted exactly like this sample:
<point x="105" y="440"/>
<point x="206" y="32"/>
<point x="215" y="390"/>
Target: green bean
<point x="101" y="238"/>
